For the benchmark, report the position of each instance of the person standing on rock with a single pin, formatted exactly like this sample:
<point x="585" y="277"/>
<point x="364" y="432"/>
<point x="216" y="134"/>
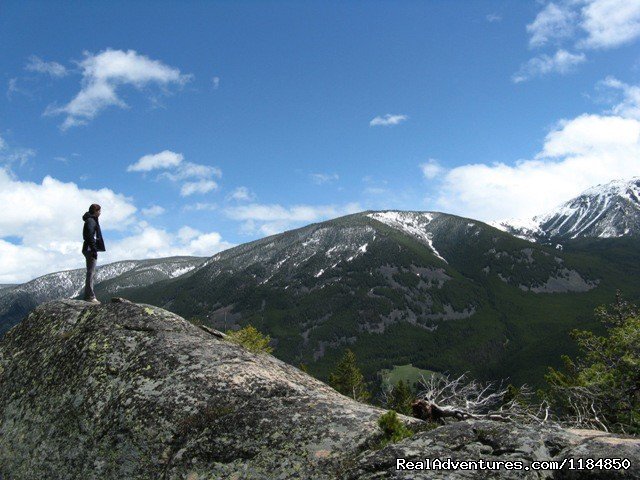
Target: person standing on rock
<point x="93" y="243"/>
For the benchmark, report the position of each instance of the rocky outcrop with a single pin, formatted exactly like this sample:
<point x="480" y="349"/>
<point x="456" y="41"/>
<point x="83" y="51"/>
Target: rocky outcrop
<point x="123" y="390"/>
<point x="492" y="442"/>
<point x="131" y="391"/>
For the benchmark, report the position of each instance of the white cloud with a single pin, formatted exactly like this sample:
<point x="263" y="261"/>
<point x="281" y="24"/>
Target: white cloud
<point x="375" y="186"/>
<point x="554" y="22"/>
<point x="46" y="218"/>
<point x="322" y="178"/>
<point x="45" y="213"/>
<point x="581" y="25"/>
<point x="493" y="17"/>
<point x="588" y="24"/>
<point x="152" y="211"/>
<point x="13" y="88"/>
<point x="562" y="62"/>
<point x="610" y="23"/>
<point x="151" y="242"/>
<point x="188" y="170"/>
<point x="215" y="81"/>
<point x="187" y="233"/>
<point x="388" y="120"/>
<point x="179" y="171"/>
<point x="375" y="191"/>
<point x="201" y="186"/>
<point x="54" y="69"/>
<point x="630" y="105"/>
<point x="269" y="219"/>
<point x="164" y="159"/>
<point x="14" y="155"/>
<point x="20" y="263"/>
<point x="241" y="194"/>
<point x="578" y="153"/>
<point x="198" y="206"/>
<point x="592" y="134"/>
<point x="431" y="168"/>
<point x="103" y="74"/>
<point x="20" y="156"/>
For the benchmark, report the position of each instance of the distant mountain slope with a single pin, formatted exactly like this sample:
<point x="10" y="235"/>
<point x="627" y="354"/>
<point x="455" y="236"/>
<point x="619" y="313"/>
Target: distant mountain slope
<point x="439" y="291"/>
<point x="17" y="300"/>
<point x="604" y="211"/>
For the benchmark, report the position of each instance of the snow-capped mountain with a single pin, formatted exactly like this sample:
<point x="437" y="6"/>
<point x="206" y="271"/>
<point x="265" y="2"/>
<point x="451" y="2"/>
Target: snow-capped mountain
<point x="396" y="286"/>
<point x="17" y="300"/>
<point x="321" y="253"/>
<point x="428" y="288"/>
<point x="604" y="211"/>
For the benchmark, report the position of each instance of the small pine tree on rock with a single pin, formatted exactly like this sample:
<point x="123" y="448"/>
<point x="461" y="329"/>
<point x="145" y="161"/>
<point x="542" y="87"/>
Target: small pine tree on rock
<point x="251" y="339"/>
<point x="393" y="430"/>
<point x="400" y="398"/>
<point x="348" y="379"/>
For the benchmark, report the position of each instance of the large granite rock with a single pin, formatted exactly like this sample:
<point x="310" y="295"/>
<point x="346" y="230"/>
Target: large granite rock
<point x="126" y="391"/>
<point x="492" y="442"/>
<point x="131" y="391"/>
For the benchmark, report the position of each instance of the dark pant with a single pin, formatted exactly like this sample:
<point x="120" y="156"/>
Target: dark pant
<point x="91" y="268"/>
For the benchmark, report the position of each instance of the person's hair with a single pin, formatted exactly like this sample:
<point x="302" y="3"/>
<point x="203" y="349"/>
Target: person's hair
<point x="94" y="208"/>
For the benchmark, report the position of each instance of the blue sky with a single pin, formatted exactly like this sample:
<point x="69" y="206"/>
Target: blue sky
<point x="256" y="117"/>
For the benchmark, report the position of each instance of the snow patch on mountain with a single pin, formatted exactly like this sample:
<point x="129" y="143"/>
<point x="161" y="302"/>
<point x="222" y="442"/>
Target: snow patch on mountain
<point x="412" y="223"/>
<point x="525" y="228"/>
<point x="323" y="246"/>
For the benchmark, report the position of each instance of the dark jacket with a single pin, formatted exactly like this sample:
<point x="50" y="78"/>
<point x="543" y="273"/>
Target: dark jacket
<point x="92" y="235"/>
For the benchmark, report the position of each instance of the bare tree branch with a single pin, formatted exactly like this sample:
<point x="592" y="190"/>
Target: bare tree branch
<point x="461" y="398"/>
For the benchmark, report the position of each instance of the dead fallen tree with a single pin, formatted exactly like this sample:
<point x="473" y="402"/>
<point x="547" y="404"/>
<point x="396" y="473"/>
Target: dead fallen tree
<point x="461" y="398"/>
<point x="585" y="407"/>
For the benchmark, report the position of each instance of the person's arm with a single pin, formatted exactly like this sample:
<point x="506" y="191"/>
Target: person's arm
<point x="91" y="240"/>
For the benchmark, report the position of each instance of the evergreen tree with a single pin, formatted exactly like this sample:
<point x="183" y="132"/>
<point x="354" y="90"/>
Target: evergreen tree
<point x="601" y="388"/>
<point x="393" y="430"/>
<point x="251" y="339"/>
<point x="348" y="379"/>
<point x="400" y="398"/>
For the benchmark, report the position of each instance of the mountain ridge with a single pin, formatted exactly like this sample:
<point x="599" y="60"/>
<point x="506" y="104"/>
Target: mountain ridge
<point x="443" y="292"/>
<point x="602" y="211"/>
<point x="436" y="290"/>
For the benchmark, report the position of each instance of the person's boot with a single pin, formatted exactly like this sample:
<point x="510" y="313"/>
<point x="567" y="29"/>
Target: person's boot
<point x="93" y="300"/>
